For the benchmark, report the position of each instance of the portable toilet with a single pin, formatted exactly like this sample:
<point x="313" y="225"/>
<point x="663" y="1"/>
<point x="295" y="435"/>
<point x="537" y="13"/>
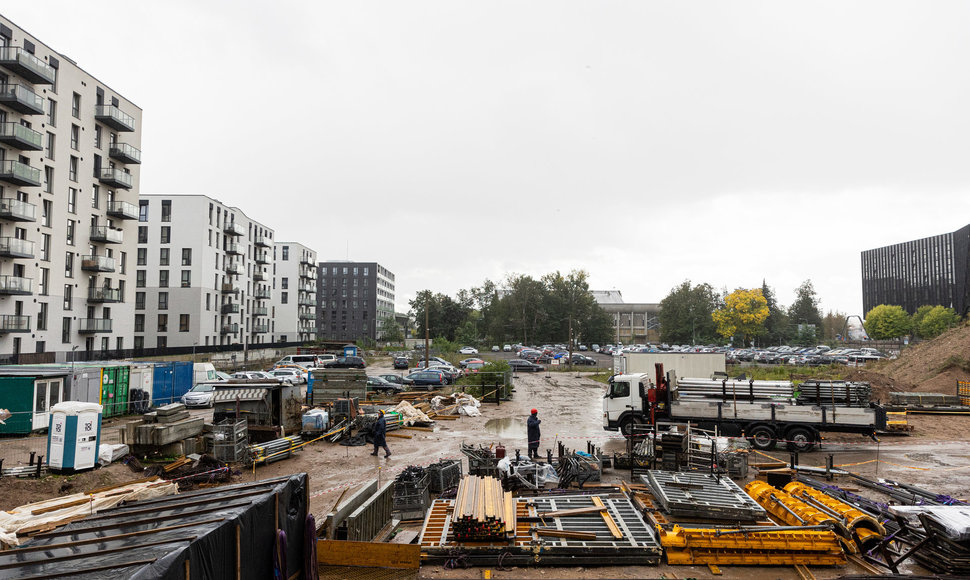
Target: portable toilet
<point x="350" y="350"/>
<point x="74" y="436"/>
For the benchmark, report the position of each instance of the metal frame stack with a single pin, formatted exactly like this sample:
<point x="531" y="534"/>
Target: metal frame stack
<point x="702" y="495"/>
<point x="445" y="474"/>
<point x="834" y="393"/>
<point x="411" y="495"/>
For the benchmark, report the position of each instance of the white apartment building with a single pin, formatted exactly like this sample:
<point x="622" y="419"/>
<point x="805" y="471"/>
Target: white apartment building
<point x="69" y="172"/>
<point x="295" y="293"/>
<point x="203" y="274"/>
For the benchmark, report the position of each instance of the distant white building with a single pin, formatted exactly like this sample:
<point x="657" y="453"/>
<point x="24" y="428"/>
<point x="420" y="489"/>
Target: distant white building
<point x="632" y="323"/>
<point x="295" y="293"/>
<point x="203" y="274"/>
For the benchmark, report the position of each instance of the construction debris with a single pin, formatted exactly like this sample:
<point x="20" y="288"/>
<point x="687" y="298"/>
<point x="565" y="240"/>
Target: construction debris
<point x="410" y="414"/>
<point x="167" y="424"/>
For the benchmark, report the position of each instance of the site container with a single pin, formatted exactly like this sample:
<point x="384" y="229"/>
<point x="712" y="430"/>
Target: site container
<point x="170" y="381"/>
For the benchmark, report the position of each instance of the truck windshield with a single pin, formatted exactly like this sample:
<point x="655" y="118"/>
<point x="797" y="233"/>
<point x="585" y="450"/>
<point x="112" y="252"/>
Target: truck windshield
<point x="618" y="389"/>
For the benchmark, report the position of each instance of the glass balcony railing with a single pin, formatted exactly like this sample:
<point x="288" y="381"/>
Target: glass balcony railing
<point x="263" y="241"/>
<point x="115" y="177"/>
<point x="308" y="300"/>
<point x="19" y="173"/>
<point x="93" y="325"/>
<point x="230" y="289"/>
<point x="262" y="258"/>
<point x="307" y="316"/>
<point x="23" y="138"/>
<point x="21" y="99"/>
<point x="101" y="294"/>
<point x="230" y="308"/>
<point x="259" y="311"/>
<point x="18" y="211"/>
<point x="26" y="65"/>
<point x="15" y="285"/>
<point x="16" y="248"/>
<point x="235" y="249"/>
<point x="106" y="234"/>
<point x="14" y="323"/>
<point x="123" y="210"/>
<point x="261" y="294"/>
<point x="125" y="153"/>
<point x="259" y="276"/>
<point x="260" y="328"/>
<point x="97" y="263"/>
<point x="232" y="228"/>
<point x="230" y="329"/>
<point x="114" y="117"/>
<point x="234" y="269"/>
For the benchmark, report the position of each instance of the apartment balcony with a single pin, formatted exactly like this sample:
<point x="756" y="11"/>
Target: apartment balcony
<point x="14" y="323"/>
<point x="106" y="235"/>
<point x="259" y="311"/>
<point x="125" y="153"/>
<point x="230" y="289"/>
<point x="308" y="316"/>
<point x="20" y="137"/>
<point x="123" y="210"/>
<point x="229" y="329"/>
<point x="26" y="65"/>
<point x="17" y="211"/>
<point x="94" y="325"/>
<point x="259" y="276"/>
<point x="114" y="117"/>
<point x="263" y="241"/>
<point x="233" y="268"/>
<point x="262" y="257"/>
<point x="261" y="294"/>
<point x="308" y="300"/>
<point x="232" y="308"/>
<point x="21" y="99"/>
<point x="234" y="249"/>
<point x="14" y="285"/>
<point x="97" y="263"/>
<point x="260" y="328"/>
<point x="16" y="248"/>
<point x="307" y="260"/>
<point x="308" y="288"/>
<point x="19" y="173"/>
<point x="233" y="229"/>
<point x="102" y="294"/>
<point x="308" y="273"/>
<point x="115" y="177"/>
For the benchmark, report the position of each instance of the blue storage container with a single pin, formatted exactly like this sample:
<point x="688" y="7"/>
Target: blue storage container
<point x="73" y="436"/>
<point x="170" y="381"/>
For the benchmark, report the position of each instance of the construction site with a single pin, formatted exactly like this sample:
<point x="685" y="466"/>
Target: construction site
<point x="459" y="498"/>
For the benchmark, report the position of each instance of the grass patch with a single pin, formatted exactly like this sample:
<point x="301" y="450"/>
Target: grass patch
<point x="786" y="372"/>
<point x="955" y="362"/>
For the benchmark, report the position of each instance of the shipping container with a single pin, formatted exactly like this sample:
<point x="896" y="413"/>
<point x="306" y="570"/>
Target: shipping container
<point x="29" y="395"/>
<point x="114" y="391"/>
<point x="140" y="387"/>
<point x="170" y="381"/>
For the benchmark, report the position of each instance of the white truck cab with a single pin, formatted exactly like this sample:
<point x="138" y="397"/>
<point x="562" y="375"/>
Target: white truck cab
<point x="624" y="401"/>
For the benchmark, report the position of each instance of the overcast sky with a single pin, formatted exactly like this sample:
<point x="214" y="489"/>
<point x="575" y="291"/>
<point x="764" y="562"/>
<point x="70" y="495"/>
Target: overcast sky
<point x="645" y="142"/>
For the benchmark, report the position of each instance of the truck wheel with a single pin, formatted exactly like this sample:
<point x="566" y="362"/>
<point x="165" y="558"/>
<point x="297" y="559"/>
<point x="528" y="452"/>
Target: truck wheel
<point x="801" y="439"/>
<point x="626" y="427"/>
<point x="762" y="437"/>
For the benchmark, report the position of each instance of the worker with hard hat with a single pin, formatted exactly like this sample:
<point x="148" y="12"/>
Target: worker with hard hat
<point x="533" y="432"/>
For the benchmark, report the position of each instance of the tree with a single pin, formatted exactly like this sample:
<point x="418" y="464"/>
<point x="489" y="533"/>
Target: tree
<point x="832" y="325"/>
<point x="777" y="330"/>
<point x="391" y="331"/>
<point x="444" y="315"/>
<point x="886" y="322"/>
<point x="935" y="321"/>
<point x="744" y="313"/>
<point x="685" y="314"/>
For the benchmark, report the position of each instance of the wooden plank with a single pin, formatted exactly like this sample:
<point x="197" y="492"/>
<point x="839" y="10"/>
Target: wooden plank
<point x="572" y="512"/>
<point x="428" y="429"/>
<point x="60" y="506"/>
<point x="614" y="529"/>
<point x="399" y="435"/>
<point x="368" y="554"/>
<point x="568" y="534"/>
<point x="127" y="483"/>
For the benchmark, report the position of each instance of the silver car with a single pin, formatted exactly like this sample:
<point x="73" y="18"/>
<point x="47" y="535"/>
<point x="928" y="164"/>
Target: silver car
<point x="200" y="395"/>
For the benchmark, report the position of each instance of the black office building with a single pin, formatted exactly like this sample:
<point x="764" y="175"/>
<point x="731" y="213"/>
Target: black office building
<point x="353" y="300"/>
<point x="931" y="271"/>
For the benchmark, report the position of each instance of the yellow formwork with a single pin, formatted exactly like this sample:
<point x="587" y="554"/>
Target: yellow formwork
<point x="782" y="540"/>
<point x="853" y="518"/>
<point x="703" y="556"/>
<point x="788" y="509"/>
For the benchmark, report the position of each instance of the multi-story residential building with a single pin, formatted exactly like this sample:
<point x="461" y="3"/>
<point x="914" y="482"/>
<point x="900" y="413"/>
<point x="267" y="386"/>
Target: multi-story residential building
<point x="203" y="274"/>
<point x="69" y="172"/>
<point x="353" y="300"/>
<point x="294" y="292"/>
<point x="930" y="271"/>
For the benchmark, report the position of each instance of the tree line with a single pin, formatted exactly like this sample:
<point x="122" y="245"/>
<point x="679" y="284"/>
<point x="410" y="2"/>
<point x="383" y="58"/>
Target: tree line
<point x="887" y="321"/>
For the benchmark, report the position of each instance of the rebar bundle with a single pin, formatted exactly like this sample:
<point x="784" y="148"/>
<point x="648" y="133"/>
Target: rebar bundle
<point x="483" y="511"/>
<point x="275" y="450"/>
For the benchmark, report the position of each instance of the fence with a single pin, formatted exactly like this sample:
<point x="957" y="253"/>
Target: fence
<point x="118" y="354"/>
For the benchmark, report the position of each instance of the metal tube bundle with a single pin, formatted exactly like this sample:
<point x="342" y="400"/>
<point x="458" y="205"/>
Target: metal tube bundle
<point x="730" y="388"/>
<point x="483" y="511"/>
<point x="275" y="450"/>
<point x="838" y="393"/>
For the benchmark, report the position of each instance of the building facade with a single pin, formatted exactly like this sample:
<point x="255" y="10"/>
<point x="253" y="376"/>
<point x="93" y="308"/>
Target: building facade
<point x="203" y="274"/>
<point x="353" y="300"/>
<point x="632" y="323"/>
<point x="294" y="293"/>
<point x="930" y="271"/>
<point x="69" y="173"/>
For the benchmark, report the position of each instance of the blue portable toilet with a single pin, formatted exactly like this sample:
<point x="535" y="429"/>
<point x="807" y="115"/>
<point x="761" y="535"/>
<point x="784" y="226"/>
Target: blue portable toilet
<point x="74" y="436"/>
<point x="350" y="350"/>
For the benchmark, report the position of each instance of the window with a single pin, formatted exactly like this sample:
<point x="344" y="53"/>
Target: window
<point x="183" y="322"/>
<point x="139" y="342"/>
<point x="66" y="330"/>
<point x="123" y="265"/>
<point x="45" y="247"/>
<point x="97" y="136"/>
<point x="69" y="265"/>
<point x="166" y="210"/>
<point x="166" y="234"/>
<point x="76" y="106"/>
<point x="143" y="210"/>
<point x="284" y="283"/>
<point x="163" y="300"/>
<point x="140" y="278"/>
<point x="72" y="169"/>
<point x="284" y="298"/>
<point x="162" y="342"/>
<point x="142" y="234"/>
<point x="163" y="255"/>
<point x="69" y="236"/>
<point x="142" y="256"/>
<point x="208" y="303"/>
<point x="45" y="277"/>
<point x="75" y="137"/>
<point x="71" y="200"/>
<point x="139" y="300"/>
<point x="68" y="299"/>
<point x="48" y="179"/>
<point x="139" y="323"/>
<point x="186" y="278"/>
<point x="47" y="210"/>
<point x="42" y="316"/>
<point x="95" y="196"/>
<point x="49" y="150"/>
<point x="286" y="253"/>
<point x="163" y="323"/>
<point x="52" y="112"/>
<point x="163" y="278"/>
<point x="186" y="256"/>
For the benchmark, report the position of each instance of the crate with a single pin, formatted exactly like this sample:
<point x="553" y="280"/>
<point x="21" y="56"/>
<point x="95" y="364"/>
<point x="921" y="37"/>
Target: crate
<point x="230" y="431"/>
<point x="418" y="501"/>
<point x="231" y="452"/>
<point x="413" y="486"/>
<point x="444" y="475"/>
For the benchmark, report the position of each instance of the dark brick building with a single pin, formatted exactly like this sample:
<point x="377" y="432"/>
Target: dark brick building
<point x="353" y="299"/>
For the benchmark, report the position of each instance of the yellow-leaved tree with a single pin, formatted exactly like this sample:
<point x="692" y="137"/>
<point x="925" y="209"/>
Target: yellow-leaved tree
<point x="744" y="313"/>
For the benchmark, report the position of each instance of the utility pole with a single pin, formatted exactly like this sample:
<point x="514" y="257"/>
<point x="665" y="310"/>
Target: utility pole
<point x="427" y="334"/>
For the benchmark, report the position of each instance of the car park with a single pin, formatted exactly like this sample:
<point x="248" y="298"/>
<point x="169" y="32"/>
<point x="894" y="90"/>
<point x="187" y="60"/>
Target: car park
<point x="346" y="362"/>
<point x="381" y="385"/>
<point x="468" y="350"/>
<point x="200" y="395"/>
<point x="525" y="366"/>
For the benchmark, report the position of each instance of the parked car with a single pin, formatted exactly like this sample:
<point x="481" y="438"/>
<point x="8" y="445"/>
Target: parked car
<point x="427" y="379"/>
<point x="256" y="376"/>
<point x="289" y="375"/>
<point x="580" y="359"/>
<point x="525" y="366"/>
<point x="200" y="395"/>
<point x="507" y="348"/>
<point x="474" y="366"/>
<point x="397" y="380"/>
<point x="451" y="373"/>
<point x="464" y="362"/>
<point x="401" y="362"/>
<point x="383" y="386"/>
<point x="468" y="350"/>
<point x="495" y="348"/>
<point x="346" y="362"/>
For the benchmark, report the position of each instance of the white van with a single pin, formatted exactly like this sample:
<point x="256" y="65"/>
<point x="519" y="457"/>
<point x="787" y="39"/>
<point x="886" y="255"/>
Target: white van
<point x="304" y="360"/>
<point x="203" y="373"/>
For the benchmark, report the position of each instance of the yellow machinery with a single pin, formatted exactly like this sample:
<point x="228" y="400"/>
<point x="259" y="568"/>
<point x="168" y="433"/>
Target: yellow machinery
<point x="752" y="546"/>
<point x="853" y="523"/>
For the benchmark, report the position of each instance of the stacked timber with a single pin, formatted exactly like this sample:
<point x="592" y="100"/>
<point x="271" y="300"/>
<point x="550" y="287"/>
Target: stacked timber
<point x="483" y="511"/>
<point x="167" y="424"/>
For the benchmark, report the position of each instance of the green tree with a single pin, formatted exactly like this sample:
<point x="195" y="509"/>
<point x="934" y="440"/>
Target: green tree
<point x="805" y="310"/>
<point x="568" y="304"/>
<point x="467" y="334"/>
<point x="886" y="322"/>
<point x="685" y="314"/>
<point x="934" y="321"/>
<point x="744" y="314"/>
<point x="444" y="315"/>
<point x="777" y="330"/>
<point x="391" y="331"/>
<point x="832" y="324"/>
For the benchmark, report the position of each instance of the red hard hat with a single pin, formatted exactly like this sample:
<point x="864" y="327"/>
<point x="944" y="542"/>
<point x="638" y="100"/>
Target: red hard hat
<point x="534" y="412"/>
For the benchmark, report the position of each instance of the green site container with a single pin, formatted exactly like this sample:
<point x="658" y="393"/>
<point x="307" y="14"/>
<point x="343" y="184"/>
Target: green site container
<point x="18" y="398"/>
<point x="114" y="391"/>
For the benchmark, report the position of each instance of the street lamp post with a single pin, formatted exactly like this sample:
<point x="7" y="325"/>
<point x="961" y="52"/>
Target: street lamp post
<point x="74" y="348"/>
